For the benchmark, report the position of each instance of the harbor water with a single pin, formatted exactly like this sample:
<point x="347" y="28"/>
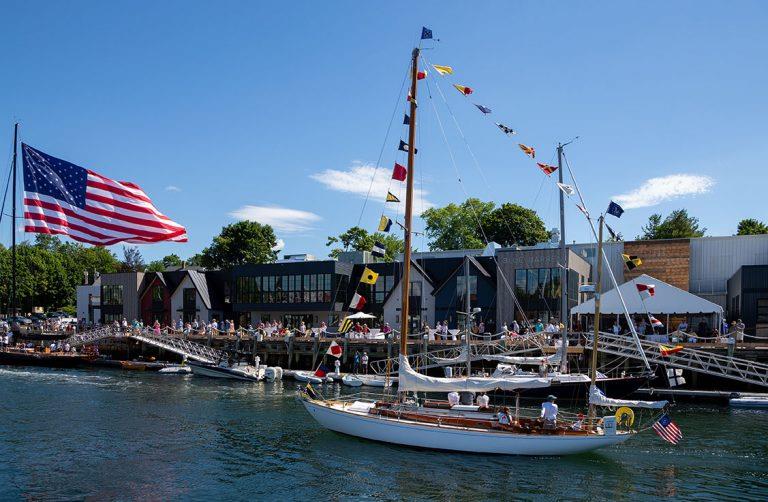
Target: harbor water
<point x="112" y="435"/>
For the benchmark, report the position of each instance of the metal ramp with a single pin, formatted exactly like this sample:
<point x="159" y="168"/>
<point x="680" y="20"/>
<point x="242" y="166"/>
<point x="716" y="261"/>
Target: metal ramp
<point x="437" y="358"/>
<point x="696" y="360"/>
<point x="192" y="350"/>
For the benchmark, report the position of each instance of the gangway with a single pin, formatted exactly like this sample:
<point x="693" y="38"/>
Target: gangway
<point x="696" y="360"/>
<point x="457" y="355"/>
<point x="186" y="348"/>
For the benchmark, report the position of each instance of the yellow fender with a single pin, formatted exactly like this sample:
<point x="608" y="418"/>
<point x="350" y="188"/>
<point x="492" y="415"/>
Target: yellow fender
<point x="625" y="416"/>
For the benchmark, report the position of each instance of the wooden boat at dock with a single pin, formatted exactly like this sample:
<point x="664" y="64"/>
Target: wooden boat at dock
<point x="31" y="357"/>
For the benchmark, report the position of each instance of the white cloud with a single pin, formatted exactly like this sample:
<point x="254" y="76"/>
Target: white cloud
<point x="279" y="246"/>
<point x="357" y="180"/>
<point x="281" y="219"/>
<point x="657" y="190"/>
<point x="172" y="188"/>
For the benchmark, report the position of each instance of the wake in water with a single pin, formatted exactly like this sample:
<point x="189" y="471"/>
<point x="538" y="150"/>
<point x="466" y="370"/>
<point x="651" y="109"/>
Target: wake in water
<point x="69" y="376"/>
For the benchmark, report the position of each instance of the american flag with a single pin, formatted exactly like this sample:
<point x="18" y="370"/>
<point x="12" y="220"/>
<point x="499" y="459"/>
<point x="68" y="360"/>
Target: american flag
<point x="62" y="198"/>
<point x="667" y="430"/>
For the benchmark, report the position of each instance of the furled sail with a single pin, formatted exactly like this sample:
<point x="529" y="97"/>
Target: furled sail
<point x="553" y="359"/>
<point x="410" y="380"/>
<point x="597" y="398"/>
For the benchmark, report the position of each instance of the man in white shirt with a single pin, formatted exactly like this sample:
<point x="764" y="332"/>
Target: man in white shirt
<point x="483" y="400"/>
<point x="453" y="398"/>
<point x="549" y="412"/>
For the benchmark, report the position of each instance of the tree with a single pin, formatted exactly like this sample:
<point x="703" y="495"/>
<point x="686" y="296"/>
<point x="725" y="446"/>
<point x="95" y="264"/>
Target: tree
<point x="678" y="225"/>
<point x="358" y="239"/>
<point x="172" y="260"/>
<point x="457" y="226"/>
<point x="240" y="243"/>
<point x="132" y="260"/>
<point x="513" y="224"/>
<point x="751" y="226"/>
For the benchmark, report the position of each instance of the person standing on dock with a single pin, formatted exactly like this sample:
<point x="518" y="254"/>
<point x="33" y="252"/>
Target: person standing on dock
<point x="364" y="362"/>
<point x="356" y="362"/>
<point x="740" y="331"/>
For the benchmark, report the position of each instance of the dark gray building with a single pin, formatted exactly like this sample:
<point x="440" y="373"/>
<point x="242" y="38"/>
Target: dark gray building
<point x="748" y="298"/>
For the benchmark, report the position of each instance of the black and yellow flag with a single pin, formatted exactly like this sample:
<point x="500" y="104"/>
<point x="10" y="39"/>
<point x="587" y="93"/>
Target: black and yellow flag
<point x="631" y="261"/>
<point x="392" y="198"/>
<point x="369" y="276"/>
<point x="345" y="325"/>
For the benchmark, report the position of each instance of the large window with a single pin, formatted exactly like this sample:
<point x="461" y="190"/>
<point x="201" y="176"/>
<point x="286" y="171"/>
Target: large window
<point x="157" y="294"/>
<point x="190" y="299"/>
<point x="296" y="288"/>
<point x="383" y="286"/>
<point x="762" y="310"/>
<point x="461" y="288"/>
<point x="112" y="294"/>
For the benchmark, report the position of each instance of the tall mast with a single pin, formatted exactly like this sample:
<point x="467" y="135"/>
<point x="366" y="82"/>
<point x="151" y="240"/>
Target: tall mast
<point x="564" y="264"/>
<point x="405" y="288"/>
<point x="13" y="221"/>
<point x="593" y="362"/>
<point x="468" y="317"/>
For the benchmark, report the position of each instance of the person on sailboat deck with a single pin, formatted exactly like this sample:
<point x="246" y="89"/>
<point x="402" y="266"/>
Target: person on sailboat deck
<point x="503" y="416"/>
<point x="483" y="400"/>
<point x="453" y="398"/>
<point x="549" y="412"/>
<point x="616" y="328"/>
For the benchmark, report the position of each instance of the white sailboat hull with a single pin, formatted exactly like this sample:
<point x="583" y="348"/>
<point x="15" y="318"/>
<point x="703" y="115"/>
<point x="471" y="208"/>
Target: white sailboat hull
<point x="407" y="433"/>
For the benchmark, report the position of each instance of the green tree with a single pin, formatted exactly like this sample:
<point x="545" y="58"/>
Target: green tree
<point x="132" y="260"/>
<point x="240" y="243"/>
<point x="172" y="260"/>
<point x="751" y="226"/>
<point x="358" y="239"/>
<point x="513" y="224"/>
<point x="677" y="225"/>
<point x="457" y="226"/>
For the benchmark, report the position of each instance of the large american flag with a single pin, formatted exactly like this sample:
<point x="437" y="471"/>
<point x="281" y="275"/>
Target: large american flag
<point x="62" y="198"/>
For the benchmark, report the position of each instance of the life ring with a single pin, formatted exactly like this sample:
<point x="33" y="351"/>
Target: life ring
<point x="625" y="416"/>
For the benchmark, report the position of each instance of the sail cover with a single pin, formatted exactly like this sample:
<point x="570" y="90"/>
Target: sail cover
<point x="597" y="398"/>
<point x="553" y="359"/>
<point x="410" y="380"/>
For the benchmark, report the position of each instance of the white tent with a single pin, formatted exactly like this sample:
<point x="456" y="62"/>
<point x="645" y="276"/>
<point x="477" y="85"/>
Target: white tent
<point x="667" y="300"/>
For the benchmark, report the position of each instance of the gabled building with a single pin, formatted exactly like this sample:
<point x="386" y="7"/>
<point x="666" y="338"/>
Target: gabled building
<point x="155" y="296"/>
<point x="191" y="299"/>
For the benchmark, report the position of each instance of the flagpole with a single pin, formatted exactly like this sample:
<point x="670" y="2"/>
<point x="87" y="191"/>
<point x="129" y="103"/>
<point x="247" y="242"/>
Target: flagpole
<point x="596" y="335"/>
<point x="405" y="282"/>
<point x="564" y="317"/>
<point x="13" y="221"/>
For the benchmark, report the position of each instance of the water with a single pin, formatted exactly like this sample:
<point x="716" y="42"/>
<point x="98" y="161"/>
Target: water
<point x="77" y="434"/>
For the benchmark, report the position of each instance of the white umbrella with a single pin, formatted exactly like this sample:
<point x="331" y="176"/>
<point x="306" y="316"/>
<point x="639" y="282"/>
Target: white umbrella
<point x="361" y="315"/>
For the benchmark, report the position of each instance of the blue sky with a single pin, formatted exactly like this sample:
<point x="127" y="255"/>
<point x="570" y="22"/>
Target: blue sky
<point x="278" y="111"/>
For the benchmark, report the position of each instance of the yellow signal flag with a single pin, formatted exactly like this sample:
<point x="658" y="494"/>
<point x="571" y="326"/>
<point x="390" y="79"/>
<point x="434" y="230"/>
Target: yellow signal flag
<point x="369" y="276"/>
<point x="528" y="150"/>
<point x="384" y="224"/>
<point x="392" y="198"/>
<point x="442" y="70"/>
<point x="631" y="261"/>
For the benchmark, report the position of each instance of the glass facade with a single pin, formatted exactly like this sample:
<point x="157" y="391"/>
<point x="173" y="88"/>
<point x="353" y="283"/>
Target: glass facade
<point x="112" y="294"/>
<point x="538" y="291"/>
<point x="296" y="288"/>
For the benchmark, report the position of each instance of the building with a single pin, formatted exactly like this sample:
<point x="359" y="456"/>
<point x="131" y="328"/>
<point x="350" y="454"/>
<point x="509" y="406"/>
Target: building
<point x="748" y="298"/>
<point x="119" y="297"/>
<point x="529" y="282"/>
<point x="88" y="301"/>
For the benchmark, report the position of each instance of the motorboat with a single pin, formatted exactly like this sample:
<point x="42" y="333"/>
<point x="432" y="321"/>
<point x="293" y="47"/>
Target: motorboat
<point x="307" y="376"/>
<point x="176" y="369"/>
<point x="368" y="380"/>
<point x="749" y="402"/>
<point x="247" y="372"/>
<point x="351" y="380"/>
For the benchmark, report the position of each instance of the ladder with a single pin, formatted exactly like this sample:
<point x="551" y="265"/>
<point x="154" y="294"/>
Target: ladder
<point x="696" y="360"/>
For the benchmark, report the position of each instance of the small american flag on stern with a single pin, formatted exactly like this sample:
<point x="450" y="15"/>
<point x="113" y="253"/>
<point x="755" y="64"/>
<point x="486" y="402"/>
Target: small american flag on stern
<point x="66" y="199"/>
<point x="667" y="430"/>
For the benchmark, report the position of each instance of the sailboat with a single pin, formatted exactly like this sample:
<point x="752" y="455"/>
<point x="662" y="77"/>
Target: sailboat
<point x="412" y="421"/>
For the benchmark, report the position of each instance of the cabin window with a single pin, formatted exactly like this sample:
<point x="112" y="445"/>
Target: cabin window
<point x="112" y="294"/>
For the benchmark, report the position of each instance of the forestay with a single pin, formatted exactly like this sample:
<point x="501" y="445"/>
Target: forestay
<point x="597" y="398"/>
<point x="410" y="380"/>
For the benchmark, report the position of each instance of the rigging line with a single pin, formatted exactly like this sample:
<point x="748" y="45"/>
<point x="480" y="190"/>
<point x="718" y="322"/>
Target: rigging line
<point x="383" y="145"/>
<point x="474" y="212"/>
<point x="5" y="195"/>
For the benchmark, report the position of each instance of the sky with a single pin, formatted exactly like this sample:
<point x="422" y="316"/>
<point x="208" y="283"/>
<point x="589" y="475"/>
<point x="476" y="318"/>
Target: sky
<point x="281" y="111"/>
